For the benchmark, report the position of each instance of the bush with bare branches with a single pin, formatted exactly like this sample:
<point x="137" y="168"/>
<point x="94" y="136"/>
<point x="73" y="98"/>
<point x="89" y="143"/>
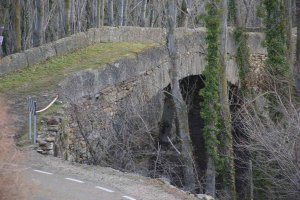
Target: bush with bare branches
<point x="274" y="149"/>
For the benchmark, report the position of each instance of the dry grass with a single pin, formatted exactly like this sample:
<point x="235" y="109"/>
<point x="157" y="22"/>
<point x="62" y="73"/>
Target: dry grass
<point x="12" y="183"/>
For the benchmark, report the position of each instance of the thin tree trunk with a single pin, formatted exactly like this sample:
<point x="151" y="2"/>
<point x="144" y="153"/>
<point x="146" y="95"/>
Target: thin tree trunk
<point x="180" y="106"/>
<point x="68" y="16"/>
<point x="40" y="22"/>
<point x="100" y="13"/>
<point x="121" y="10"/>
<point x="88" y="14"/>
<point x="251" y="180"/>
<point x="18" y="26"/>
<point x="72" y="17"/>
<point x="289" y="26"/>
<point x="125" y="12"/>
<point x="297" y="67"/>
<point x="165" y="128"/>
<point x="210" y="187"/>
<point x="143" y="13"/>
<point x="229" y="176"/>
<point x="110" y="12"/>
<point x="183" y="22"/>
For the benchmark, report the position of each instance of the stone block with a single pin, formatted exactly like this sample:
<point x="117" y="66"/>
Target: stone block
<point x="90" y="34"/>
<point x="4" y="65"/>
<point x="114" y="34"/>
<point x="13" y="62"/>
<point x="255" y="43"/>
<point x="33" y="56"/>
<point x="98" y="35"/>
<point x="60" y="46"/>
<point x="18" y="61"/>
<point x="77" y="41"/>
<point x="47" y="51"/>
<point x="50" y="139"/>
<point x="204" y="197"/>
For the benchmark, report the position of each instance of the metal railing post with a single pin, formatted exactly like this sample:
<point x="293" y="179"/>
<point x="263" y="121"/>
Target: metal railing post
<point x="30" y="133"/>
<point x="34" y="123"/>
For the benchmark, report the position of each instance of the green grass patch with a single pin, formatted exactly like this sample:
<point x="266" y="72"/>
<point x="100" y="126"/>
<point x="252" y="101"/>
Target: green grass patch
<point x="45" y="76"/>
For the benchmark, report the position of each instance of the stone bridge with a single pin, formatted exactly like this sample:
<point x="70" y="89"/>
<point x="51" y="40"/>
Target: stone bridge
<point x="98" y="102"/>
<point x="148" y="71"/>
<point x="127" y="96"/>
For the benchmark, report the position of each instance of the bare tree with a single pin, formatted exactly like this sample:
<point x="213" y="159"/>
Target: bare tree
<point x="274" y="147"/>
<point x="110" y="12"/>
<point x="289" y="26"/>
<point x="143" y="12"/>
<point x="121" y="12"/>
<point x="125" y="5"/>
<point x="297" y="66"/>
<point x="68" y="16"/>
<point x="40" y="6"/>
<point x="183" y="20"/>
<point x="18" y="26"/>
<point x="180" y="106"/>
<point x="100" y="12"/>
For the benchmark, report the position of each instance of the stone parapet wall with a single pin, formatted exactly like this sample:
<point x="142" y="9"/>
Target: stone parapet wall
<point x="105" y="34"/>
<point x="80" y="40"/>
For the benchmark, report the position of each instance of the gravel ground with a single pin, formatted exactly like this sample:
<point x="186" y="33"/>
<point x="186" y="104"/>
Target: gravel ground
<point x="135" y="185"/>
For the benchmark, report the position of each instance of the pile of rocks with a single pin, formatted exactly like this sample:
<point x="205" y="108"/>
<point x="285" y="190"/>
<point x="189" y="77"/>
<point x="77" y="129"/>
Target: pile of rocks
<point x="47" y="137"/>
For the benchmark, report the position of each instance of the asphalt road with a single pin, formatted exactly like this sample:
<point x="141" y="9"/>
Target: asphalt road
<point x="53" y="186"/>
<point x="55" y="179"/>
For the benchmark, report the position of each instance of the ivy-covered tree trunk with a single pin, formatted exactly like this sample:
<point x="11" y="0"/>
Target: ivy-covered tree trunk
<point x="228" y="174"/>
<point x="276" y="64"/>
<point x="275" y="21"/>
<point x="210" y="108"/>
<point x="240" y="38"/>
<point x="180" y="106"/>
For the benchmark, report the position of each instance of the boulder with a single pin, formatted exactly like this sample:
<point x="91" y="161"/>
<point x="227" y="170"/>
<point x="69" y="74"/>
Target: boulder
<point x="204" y="197"/>
<point x="50" y="139"/>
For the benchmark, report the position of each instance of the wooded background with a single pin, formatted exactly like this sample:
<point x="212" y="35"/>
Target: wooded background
<point x="29" y="23"/>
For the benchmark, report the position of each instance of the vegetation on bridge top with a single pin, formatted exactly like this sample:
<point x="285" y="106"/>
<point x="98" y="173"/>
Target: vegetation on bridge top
<point x="47" y="75"/>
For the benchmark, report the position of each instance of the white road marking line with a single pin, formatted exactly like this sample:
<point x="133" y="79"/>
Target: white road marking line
<point x="39" y="171"/>
<point x="75" y="180"/>
<point x="105" y="189"/>
<point x="130" y="198"/>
